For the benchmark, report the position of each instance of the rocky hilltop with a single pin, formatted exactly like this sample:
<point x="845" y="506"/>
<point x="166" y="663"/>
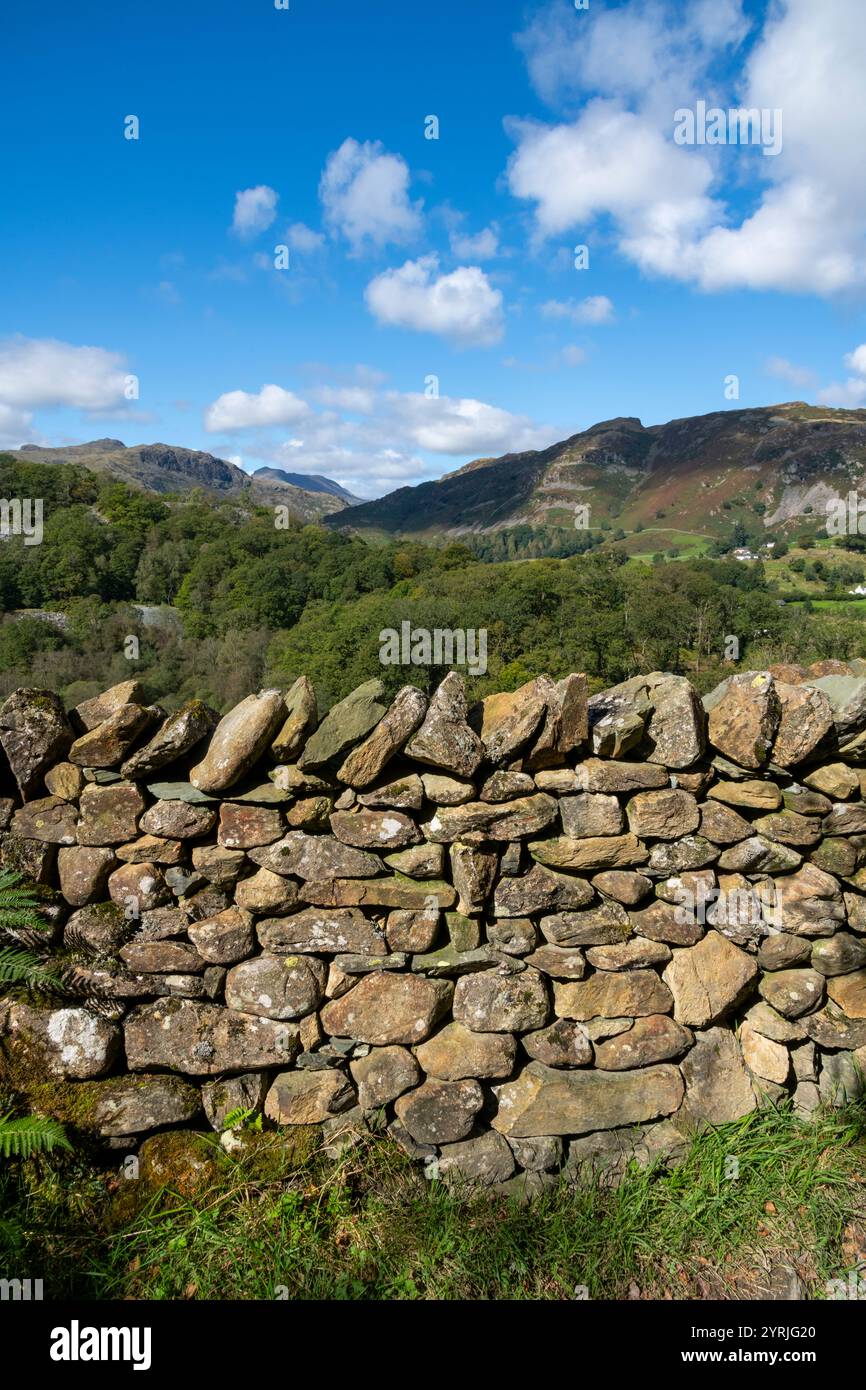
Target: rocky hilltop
<point x="543" y="932"/>
<point x="698" y="475"/>
<point x="169" y="468"/>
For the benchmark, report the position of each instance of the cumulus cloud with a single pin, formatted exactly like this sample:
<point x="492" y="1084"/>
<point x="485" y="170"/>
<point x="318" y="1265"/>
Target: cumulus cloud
<point x="595" y="309"/>
<point x="780" y="367"/>
<point x="851" y="392"/>
<point x="372" y="440"/>
<point x="359" y="400"/>
<point x="462" y="306"/>
<point x="44" y="372"/>
<point x="446" y="425"/>
<point x="674" y="209"/>
<point x="364" y="192"/>
<point x="255" y="210"/>
<point x="482" y="246"/>
<point x="14" y="426"/>
<point x="300" y="237"/>
<point x="241" y="410"/>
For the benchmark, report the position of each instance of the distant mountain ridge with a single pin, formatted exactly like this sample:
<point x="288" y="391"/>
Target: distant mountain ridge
<point x="170" y="468"/>
<point x="312" y="482"/>
<point x="771" y="466"/>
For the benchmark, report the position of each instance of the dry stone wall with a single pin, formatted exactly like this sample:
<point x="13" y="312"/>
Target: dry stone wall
<point x="543" y="931"/>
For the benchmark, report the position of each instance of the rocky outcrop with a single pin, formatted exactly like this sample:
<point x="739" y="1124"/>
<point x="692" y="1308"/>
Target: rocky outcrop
<point x="493" y="928"/>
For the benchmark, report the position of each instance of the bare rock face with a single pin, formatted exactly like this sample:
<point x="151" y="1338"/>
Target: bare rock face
<point x="384" y="1008"/>
<point x="366" y="761"/>
<point x="613" y="994"/>
<point x="35" y="733"/>
<point x="793" y="993"/>
<point x="131" y="1105"/>
<point x="663" y="815"/>
<point x="594" y="852"/>
<point x="655" y="1038"/>
<point x="676" y="726"/>
<point x="543" y="1101"/>
<point x="744" y="714"/>
<point x="178" y="820"/>
<point x="563" y="1043"/>
<point x="109" y="815"/>
<point x="225" y="938"/>
<point x="566" y="723"/>
<point x="328" y="931"/>
<point x="540" y="890"/>
<point x="493" y="1003"/>
<point x="239" y="740"/>
<point x="242" y="826"/>
<point x="479" y="821"/>
<point x="179" y="734"/>
<point x="379" y="830"/>
<point x="445" y="739"/>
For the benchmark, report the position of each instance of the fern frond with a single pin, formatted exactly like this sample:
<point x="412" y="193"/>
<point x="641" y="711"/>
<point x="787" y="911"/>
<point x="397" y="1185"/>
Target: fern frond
<point x="19" y="967"/>
<point x="21" y="1138"/>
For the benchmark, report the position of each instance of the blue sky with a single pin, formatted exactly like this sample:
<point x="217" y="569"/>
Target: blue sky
<point x="413" y="258"/>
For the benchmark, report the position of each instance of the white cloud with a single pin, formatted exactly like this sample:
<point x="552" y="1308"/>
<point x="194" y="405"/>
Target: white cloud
<point x="483" y="246"/>
<point x="595" y="309"/>
<point x="672" y="207"/>
<point x="445" y="425"/>
<point x="851" y="392"/>
<point x="780" y="367"/>
<point x="365" y="195"/>
<point x="573" y="356"/>
<point x="856" y="360"/>
<point x="462" y="306"/>
<point x="43" y="372"/>
<point x="14" y="427"/>
<point x="359" y="400"/>
<point x="379" y="443"/>
<point x="300" y="237"/>
<point x="255" y="210"/>
<point x="241" y="410"/>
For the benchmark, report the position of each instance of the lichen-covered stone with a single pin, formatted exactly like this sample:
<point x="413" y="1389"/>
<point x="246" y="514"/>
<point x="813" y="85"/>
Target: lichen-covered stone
<point x="34" y="733"/>
<point x="205" y="1039"/>
<point x="490" y="1002"/>
<point x="346" y="724"/>
<point x="383" y="1009"/>
<point x="308" y="1097"/>
<point x="367" y="759"/>
<point x="543" y="1101"/>
<point x="238" y="741"/>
